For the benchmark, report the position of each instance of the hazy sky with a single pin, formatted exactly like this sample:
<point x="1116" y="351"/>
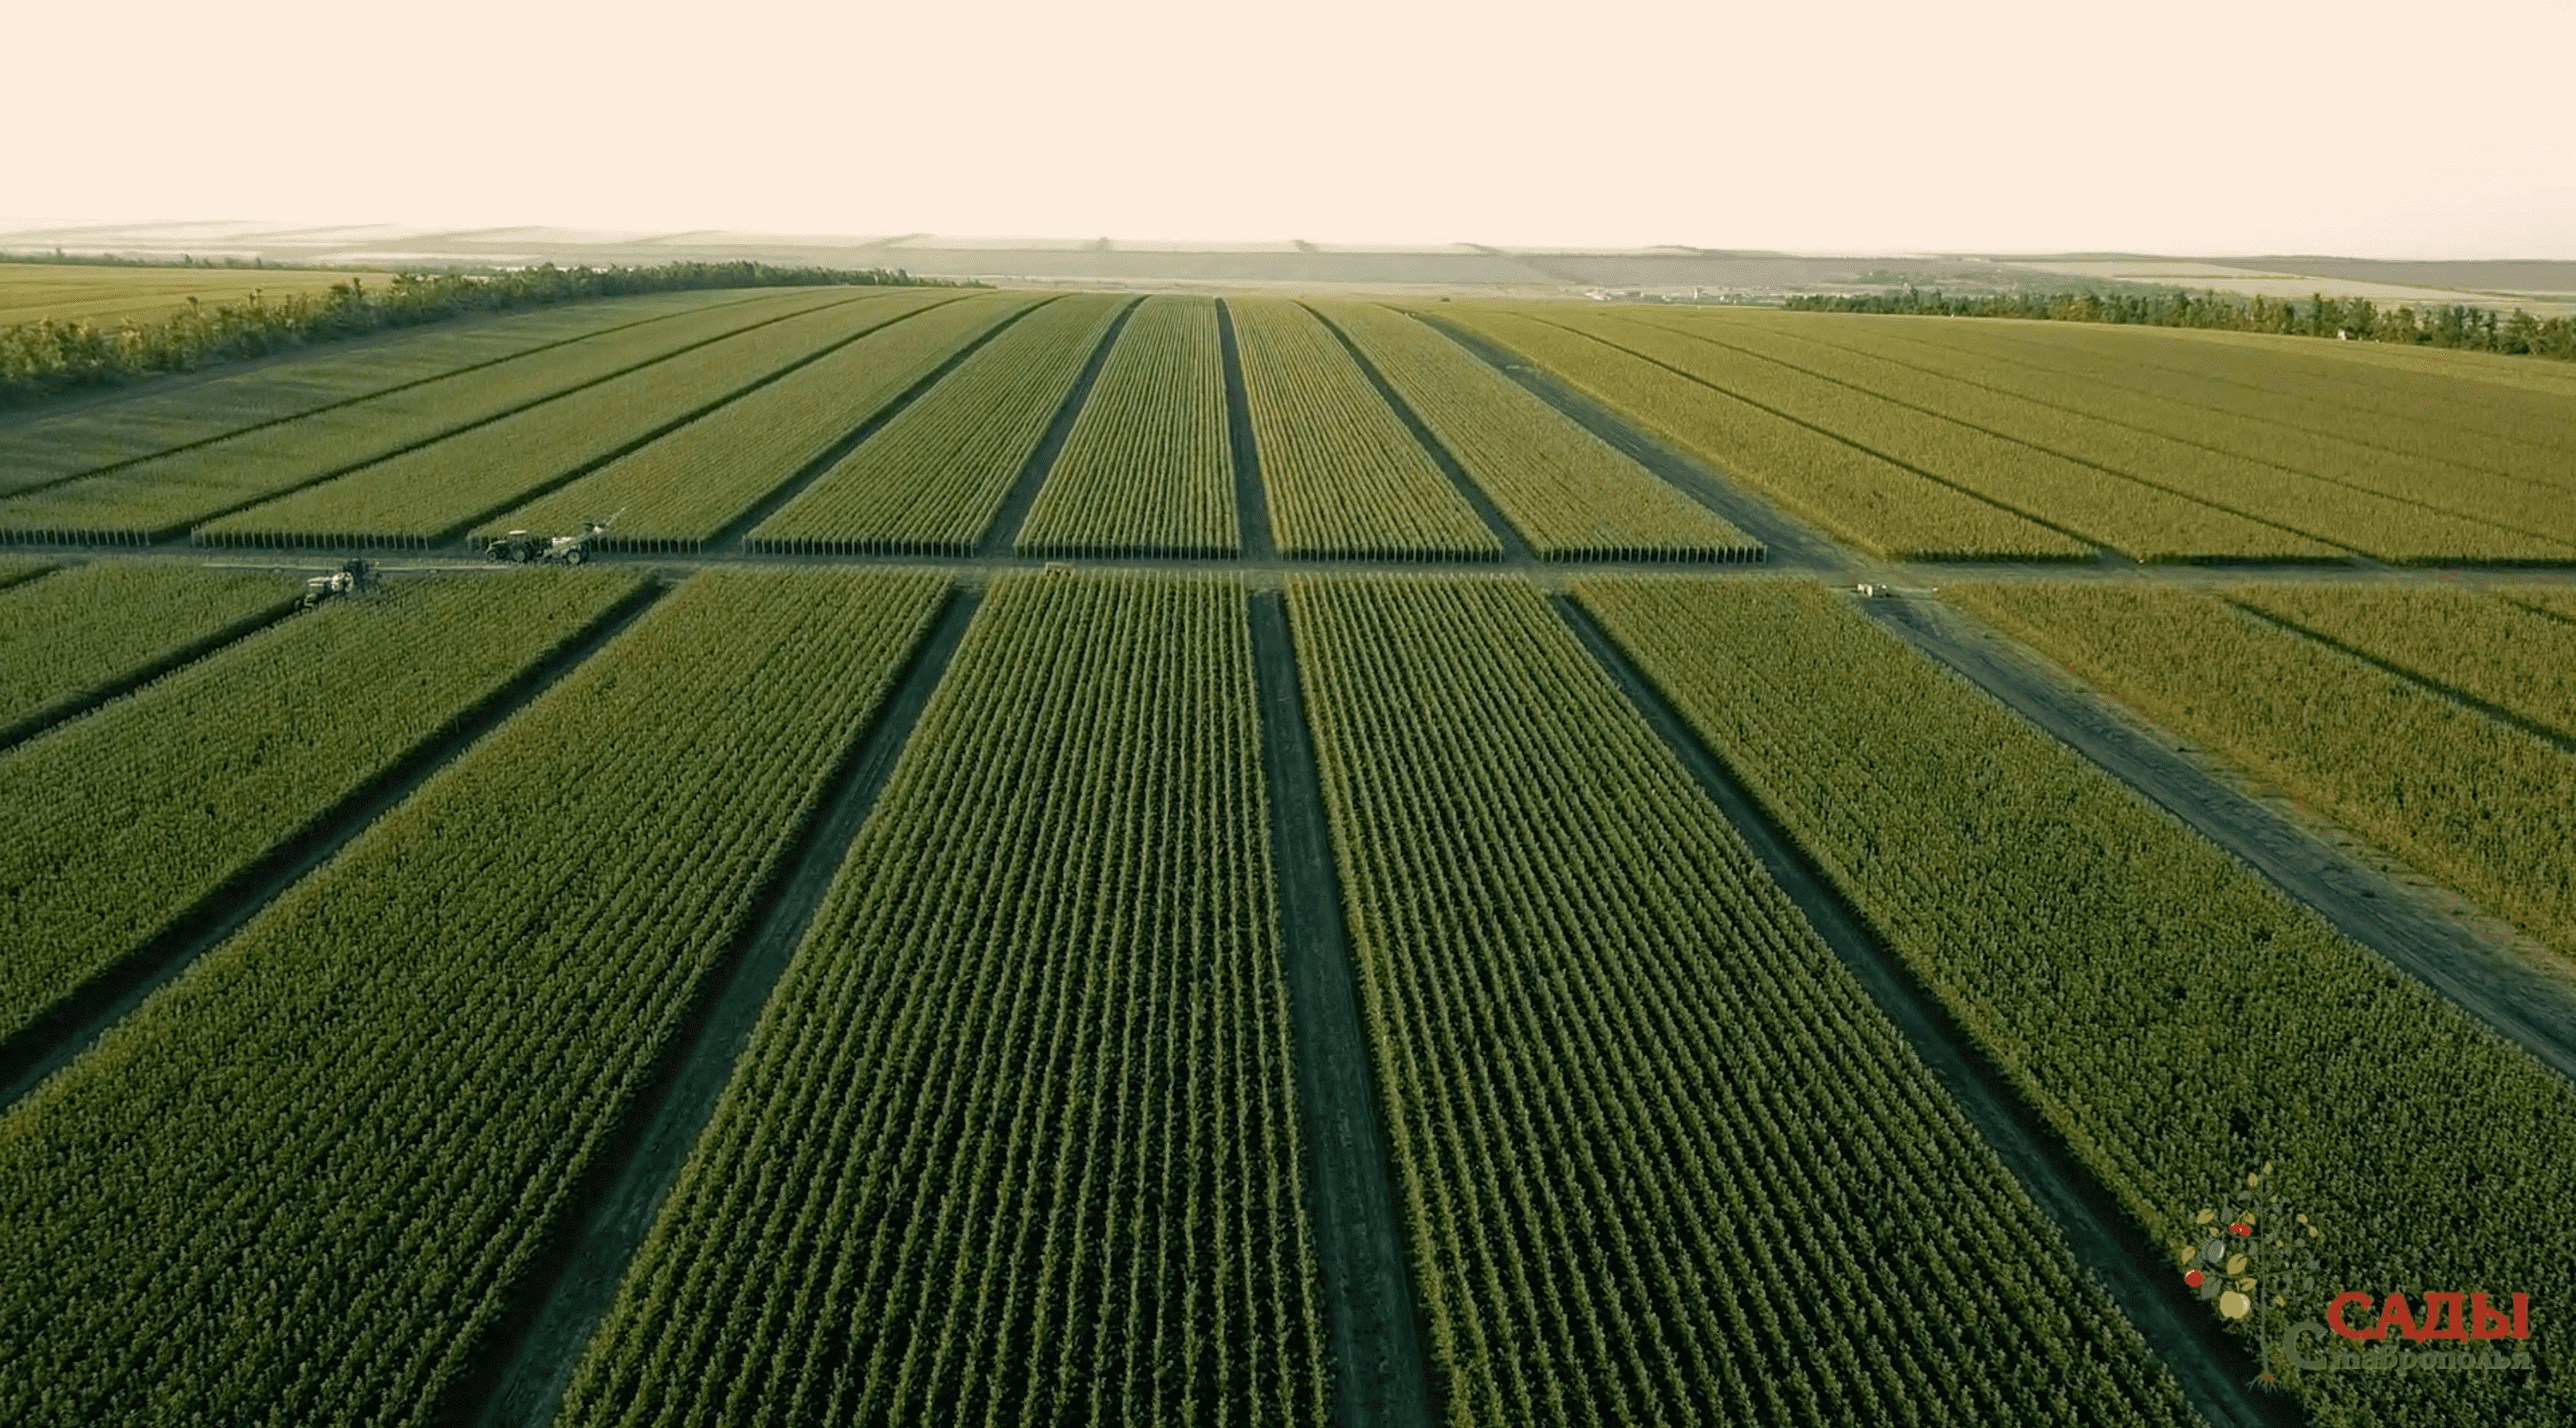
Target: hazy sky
<point x="2247" y="126"/>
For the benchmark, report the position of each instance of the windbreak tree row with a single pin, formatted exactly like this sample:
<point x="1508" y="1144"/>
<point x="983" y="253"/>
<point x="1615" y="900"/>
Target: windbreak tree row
<point x="1015" y="1140"/>
<point x="932" y="480"/>
<point x="2357" y="325"/>
<point x="1343" y="475"/>
<point x="164" y="495"/>
<point x="127" y="818"/>
<point x="1147" y="468"/>
<point x="682" y="491"/>
<point x="2176" y="1019"/>
<point x="330" y="1152"/>
<point x="434" y="493"/>
<point x="1859" y="496"/>
<point x="1661" y="1157"/>
<point x="1570" y="494"/>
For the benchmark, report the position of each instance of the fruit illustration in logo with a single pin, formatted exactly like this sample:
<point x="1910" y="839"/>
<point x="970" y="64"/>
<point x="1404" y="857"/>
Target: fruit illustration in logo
<point x="2221" y="1260"/>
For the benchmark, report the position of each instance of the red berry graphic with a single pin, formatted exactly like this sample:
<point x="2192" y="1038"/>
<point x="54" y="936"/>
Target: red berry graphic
<point x="2194" y="1278"/>
<point x="2242" y="1229"/>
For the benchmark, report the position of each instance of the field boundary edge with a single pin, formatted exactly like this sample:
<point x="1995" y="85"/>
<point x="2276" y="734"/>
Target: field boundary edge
<point x="2535" y="1012"/>
<point x="72" y="706"/>
<point x="1375" y="1326"/>
<point x="2212" y="1367"/>
<point x="1001" y="533"/>
<point x="521" y="1366"/>
<point x="736" y="534"/>
<point x="56" y="1038"/>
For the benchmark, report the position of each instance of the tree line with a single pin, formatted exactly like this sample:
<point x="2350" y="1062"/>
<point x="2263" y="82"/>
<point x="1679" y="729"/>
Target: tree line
<point x="114" y="260"/>
<point x="2456" y="325"/>
<point x="49" y="356"/>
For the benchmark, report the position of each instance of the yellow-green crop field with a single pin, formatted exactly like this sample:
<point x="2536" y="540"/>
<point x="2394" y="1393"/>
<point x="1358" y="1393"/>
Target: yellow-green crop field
<point x="108" y="294"/>
<point x="1940" y="437"/>
<point x="1068" y="857"/>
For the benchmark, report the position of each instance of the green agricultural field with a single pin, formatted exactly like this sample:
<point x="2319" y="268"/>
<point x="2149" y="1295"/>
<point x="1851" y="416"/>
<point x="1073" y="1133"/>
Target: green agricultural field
<point x="45" y="450"/>
<point x="2149" y="445"/>
<point x="438" y="491"/>
<point x="1145" y="470"/>
<point x="345" y="447"/>
<point x="934" y="480"/>
<point x="1097" y="932"/>
<point x="685" y="489"/>
<point x="96" y="629"/>
<point x="2386" y="744"/>
<point x="2169" y="1013"/>
<point x="1077" y="857"/>
<point x="1567" y="492"/>
<point x="1342" y="475"/>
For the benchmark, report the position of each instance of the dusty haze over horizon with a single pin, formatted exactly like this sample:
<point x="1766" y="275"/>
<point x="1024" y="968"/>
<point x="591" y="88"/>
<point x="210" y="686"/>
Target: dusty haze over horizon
<point x="2000" y="126"/>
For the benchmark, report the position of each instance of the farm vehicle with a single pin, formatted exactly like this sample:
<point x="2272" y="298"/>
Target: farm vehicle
<point x="352" y="577"/>
<point x="520" y="547"/>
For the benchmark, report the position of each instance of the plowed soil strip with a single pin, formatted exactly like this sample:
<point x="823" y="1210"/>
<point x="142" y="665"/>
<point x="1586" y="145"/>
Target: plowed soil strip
<point x="1251" y="504"/>
<point x="1005" y="529"/>
<point x="1372" y="1319"/>
<point x="2212" y="1367"/>
<point x="530" y="1355"/>
<point x="72" y="1026"/>
<point x="2534" y="1010"/>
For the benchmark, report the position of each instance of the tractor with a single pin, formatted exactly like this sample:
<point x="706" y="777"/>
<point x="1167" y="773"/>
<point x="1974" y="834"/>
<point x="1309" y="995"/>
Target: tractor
<point x="520" y="547"/>
<point x="352" y="577"/>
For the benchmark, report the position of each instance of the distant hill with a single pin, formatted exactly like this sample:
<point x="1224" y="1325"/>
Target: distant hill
<point x="1668" y="271"/>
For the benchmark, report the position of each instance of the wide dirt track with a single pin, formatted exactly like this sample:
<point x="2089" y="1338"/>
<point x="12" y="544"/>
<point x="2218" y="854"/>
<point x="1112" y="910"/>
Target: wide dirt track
<point x="1381" y="1371"/>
